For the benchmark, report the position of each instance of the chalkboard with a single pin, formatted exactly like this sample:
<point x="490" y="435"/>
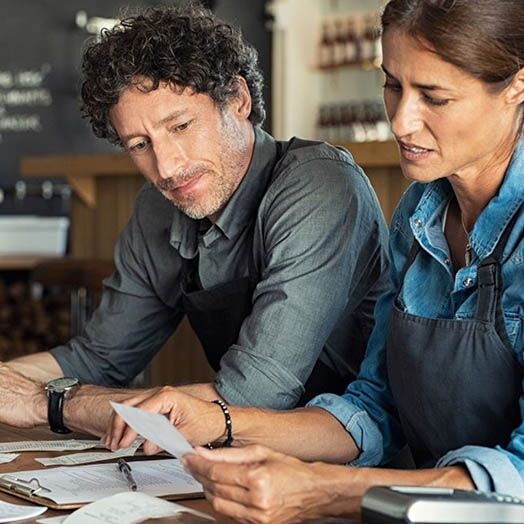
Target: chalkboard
<point x="40" y="52"/>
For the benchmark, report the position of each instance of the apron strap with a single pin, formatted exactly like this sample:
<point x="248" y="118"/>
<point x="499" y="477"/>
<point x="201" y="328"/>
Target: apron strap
<point x="489" y="278"/>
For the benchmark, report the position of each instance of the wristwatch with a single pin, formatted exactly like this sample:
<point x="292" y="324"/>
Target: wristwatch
<point x="58" y="390"/>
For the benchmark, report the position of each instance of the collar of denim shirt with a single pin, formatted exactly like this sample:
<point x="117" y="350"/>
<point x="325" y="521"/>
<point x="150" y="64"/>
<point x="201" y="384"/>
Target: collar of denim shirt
<point x="239" y="210"/>
<point x="426" y="220"/>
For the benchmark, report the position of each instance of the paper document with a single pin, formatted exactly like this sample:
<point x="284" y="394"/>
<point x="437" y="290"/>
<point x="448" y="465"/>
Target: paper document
<point x="81" y="484"/>
<point x="128" y="508"/>
<point x="14" y="512"/>
<point x="90" y="456"/>
<point x="155" y="428"/>
<point x="49" y="445"/>
<point x="8" y="457"/>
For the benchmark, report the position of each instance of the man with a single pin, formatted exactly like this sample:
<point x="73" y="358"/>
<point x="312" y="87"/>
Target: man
<point x="274" y="250"/>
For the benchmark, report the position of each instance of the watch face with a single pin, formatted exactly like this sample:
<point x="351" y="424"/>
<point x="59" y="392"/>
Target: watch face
<point x="62" y="384"/>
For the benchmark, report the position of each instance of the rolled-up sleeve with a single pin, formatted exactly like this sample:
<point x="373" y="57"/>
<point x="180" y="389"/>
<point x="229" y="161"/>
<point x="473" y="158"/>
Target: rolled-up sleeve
<point x="491" y="469"/>
<point x="366" y="409"/>
<point x="130" y="325"/>
<point x="323" y="236"/>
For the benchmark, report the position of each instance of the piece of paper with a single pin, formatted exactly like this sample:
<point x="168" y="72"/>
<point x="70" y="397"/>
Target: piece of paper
<point x="155" y="428"/>
<point x="49" y="445"/>
<point x="129" y="508"/>
<point x="14" y="512"/>
<point x="8" y="457"/>
<point x="90" y="456"/>
<point x="82" y="484"/>
<point x="52" y="520"/>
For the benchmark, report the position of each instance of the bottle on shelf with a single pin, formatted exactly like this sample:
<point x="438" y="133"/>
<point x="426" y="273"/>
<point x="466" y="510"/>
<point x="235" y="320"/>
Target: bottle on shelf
<point x="339" y="47"/>
<point x="351" y="44"/>
<point x="346" y="122"/>
<point x="326" y="47"/>
<point x="368" y="42"/>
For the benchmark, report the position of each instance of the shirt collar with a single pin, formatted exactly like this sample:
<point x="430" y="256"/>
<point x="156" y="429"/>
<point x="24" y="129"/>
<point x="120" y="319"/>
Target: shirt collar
<point x="241" y="207"/>
<point x="488" y="228"/>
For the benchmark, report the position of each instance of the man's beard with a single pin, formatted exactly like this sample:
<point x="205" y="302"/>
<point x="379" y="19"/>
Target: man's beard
<point x="223" y="182"/>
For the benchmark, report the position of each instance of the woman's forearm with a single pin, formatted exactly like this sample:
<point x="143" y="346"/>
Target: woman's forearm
<point x="340" y="488"/>
<point x="306" y="433"/>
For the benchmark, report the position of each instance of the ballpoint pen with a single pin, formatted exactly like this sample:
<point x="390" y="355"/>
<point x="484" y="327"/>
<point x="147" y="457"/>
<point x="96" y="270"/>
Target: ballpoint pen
<point x="125" y="468"/>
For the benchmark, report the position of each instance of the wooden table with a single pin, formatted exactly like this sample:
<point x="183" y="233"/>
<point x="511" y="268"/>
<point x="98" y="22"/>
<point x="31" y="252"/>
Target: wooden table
<point x="26" y="462"/>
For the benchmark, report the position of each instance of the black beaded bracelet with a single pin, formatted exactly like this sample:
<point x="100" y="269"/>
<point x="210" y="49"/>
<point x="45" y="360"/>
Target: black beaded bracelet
<point x="229" y="425"/>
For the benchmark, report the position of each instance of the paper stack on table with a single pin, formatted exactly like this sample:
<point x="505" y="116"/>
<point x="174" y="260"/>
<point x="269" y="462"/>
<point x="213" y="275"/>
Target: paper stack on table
<point x="78" y="485"/>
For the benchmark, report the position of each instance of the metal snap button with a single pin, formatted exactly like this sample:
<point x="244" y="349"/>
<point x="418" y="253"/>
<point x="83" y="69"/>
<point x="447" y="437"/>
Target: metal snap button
<point x="468" y="282"/>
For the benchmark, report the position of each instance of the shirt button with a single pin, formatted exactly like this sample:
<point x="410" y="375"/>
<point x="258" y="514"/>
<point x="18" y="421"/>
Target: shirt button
<point x="418" y="223"/>
<point x="447" y="261"/>
<point x="468" y="282"/>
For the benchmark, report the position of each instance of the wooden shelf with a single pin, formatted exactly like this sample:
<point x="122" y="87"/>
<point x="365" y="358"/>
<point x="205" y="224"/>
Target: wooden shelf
<point x="374" y="154"/>
<point x="79" y="170"/>
<point x="364" y="65"/>
<point x="22" y="263"/>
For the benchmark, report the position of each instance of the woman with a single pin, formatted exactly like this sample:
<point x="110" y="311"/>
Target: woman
<point x="443" y="369"/>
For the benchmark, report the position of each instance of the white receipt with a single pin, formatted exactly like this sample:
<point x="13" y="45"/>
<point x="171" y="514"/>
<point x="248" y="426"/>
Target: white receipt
<point x="90" y="456"/>
<point x="155" y="428"/>
<point x="128" y="508"/>
<point x="13" y="512"/>
<point x="82" y="484"/>
<point x="8" y="457"/>
<point x="49" y="445"/>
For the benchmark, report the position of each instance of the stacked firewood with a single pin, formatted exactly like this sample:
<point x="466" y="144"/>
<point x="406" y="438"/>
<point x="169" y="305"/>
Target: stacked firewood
<point x="32" y="319"/>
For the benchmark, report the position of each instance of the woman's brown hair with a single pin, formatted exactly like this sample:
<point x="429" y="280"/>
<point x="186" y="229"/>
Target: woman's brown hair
<point x="484" y="38"/>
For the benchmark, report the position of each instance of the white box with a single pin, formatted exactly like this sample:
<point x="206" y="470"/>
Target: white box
<point x="33" y="235"/>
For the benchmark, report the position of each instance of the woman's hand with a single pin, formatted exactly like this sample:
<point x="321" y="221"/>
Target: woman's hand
<point x="198" y="420"/>
<point x="257" y="485"/>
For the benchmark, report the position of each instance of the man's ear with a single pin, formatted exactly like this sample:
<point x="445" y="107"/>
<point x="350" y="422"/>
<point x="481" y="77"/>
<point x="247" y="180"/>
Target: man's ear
<point x="515" y="90"/>
<point x="240" y="102"/>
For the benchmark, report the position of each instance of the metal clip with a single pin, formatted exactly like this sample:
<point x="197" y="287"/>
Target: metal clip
<point x="24" y="487"/>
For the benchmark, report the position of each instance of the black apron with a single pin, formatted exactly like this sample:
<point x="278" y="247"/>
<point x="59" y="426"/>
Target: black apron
<point x="216" y="314"/>
<point x="455" y="382"/>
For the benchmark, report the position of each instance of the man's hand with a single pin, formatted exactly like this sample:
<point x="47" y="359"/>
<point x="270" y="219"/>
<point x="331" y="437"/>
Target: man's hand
<point x="23" y="402"/>
<point x="257" y="485"/>
<point x="200" y="421"/>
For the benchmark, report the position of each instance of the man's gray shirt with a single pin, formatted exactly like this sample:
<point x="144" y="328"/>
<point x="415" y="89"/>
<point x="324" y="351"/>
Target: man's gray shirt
<point x="318" y="241"/>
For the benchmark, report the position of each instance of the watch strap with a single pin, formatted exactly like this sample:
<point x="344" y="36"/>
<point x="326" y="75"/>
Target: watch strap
<point x="55" y="412"/>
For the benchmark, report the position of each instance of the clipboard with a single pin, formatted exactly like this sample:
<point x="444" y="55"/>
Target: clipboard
<point x="33" y="491"/>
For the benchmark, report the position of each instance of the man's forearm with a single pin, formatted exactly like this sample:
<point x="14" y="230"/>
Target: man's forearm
<point x="204" y="391"/>
<point x="89" y="411"/>
<point x="40" y="367"/>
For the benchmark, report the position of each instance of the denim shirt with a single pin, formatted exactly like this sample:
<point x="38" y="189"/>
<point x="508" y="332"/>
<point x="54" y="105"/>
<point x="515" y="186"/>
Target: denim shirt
<point x="432" y="290"/>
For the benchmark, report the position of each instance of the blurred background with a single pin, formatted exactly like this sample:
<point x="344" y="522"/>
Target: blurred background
<point x="65" y="195"/>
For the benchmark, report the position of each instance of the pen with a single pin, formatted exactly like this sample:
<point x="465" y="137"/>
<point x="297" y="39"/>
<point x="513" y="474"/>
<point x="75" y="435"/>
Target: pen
<point x="125" y="468"/>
